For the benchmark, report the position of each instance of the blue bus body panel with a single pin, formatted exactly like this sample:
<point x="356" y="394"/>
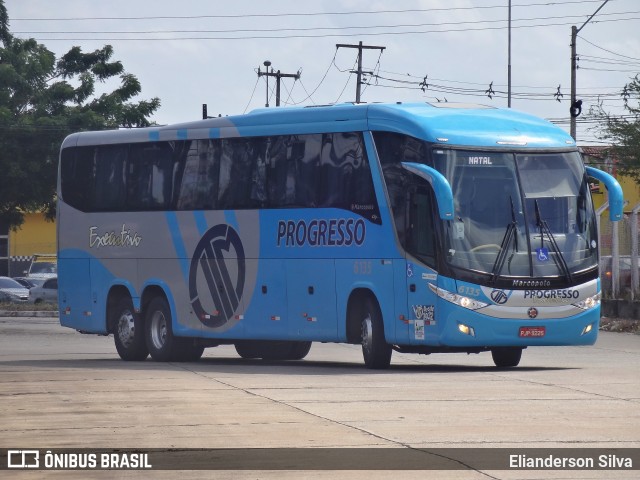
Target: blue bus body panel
<point x="288" y="273"/>
<point x="491" y="331"/>
<point x="452" y="124"/>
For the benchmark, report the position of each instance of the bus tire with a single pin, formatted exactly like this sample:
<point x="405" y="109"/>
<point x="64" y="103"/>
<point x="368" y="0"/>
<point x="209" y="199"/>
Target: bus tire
<point x="247" y="349"/>
<point x="128" y="331"/>
<point x="506" y="357"/>
<point x="276" y="350"/>
<point x="189" y="351"/>
<point x="162" y="345"/>
<point x="299" y="350"/>
<point x="273" y="349"/>
<point x="375" y="349"/>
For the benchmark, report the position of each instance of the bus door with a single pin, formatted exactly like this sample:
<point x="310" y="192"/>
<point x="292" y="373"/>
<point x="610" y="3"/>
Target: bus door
<point x="420" y="249"/>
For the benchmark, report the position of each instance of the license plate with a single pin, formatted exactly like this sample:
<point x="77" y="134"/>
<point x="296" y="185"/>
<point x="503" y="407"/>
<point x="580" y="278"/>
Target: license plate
<point x="532" y="332"/>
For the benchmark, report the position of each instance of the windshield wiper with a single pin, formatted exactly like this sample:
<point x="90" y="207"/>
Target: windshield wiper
<point x="545" y="230"/>
<point x="506" y="239"/>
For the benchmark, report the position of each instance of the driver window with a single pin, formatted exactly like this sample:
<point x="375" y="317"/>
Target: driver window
<point x="420" y="237"/>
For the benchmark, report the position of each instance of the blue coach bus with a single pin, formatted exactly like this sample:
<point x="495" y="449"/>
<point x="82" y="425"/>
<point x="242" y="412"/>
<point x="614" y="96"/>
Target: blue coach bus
<point x="410" y="227"/>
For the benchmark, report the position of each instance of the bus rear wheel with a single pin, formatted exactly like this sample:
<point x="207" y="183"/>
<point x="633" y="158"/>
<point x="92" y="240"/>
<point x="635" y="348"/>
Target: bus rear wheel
<point x="375" y="349"/>
<point x="247" y="349"/>
<point x="128" y="331"/>
<point x="506" y="357"/>
<point x="159" y="335"/>
<point x="299" y="350"/>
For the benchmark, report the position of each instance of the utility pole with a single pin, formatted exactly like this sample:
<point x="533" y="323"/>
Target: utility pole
<point x="576" y="105"/>
<point x="360" y="47"/>
<point x="509" y="62"/>
<point x="278" y="76"/>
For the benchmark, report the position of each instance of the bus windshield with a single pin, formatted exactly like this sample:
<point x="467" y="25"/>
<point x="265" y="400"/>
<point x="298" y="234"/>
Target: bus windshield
<point x="518" y="214"/>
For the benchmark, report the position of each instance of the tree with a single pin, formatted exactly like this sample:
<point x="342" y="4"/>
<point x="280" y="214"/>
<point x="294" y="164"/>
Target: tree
<point x="623" y="132"/>
<point x="44" y="99"/>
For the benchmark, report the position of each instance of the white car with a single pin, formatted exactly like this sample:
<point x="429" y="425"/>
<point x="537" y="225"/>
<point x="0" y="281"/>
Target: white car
<point x="12" y="292"/>
<point x="47" y="292"/>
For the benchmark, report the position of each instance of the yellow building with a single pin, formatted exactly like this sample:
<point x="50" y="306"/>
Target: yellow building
<point x="599" y="158"/>
<point x="35" y="235"/>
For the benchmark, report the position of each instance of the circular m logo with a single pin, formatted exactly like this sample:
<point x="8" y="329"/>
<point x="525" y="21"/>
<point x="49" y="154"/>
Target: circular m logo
<point x="499" y="297"/>
<point x="217" y="275"/>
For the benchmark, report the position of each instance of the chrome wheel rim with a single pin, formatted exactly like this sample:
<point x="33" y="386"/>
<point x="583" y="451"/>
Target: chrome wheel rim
<point x="367" y="333"/>
<point x="158" y="330"/>
<point x="126" y="329"/>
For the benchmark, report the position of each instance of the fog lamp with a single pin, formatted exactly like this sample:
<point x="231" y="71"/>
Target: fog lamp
<point x="467" y="330"/>
<point x="587" y="329"/>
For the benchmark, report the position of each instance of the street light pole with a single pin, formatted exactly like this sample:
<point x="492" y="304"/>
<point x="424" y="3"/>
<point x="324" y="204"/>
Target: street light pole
<point x="575" y="108"/>
<point x="267" y="64"/>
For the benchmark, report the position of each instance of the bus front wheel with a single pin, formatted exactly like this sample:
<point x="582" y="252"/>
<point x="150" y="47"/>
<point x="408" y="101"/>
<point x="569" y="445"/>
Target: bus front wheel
<point x="506" y="357"/>
<point x="375" y="349"/>
<point x="128" y="331"/>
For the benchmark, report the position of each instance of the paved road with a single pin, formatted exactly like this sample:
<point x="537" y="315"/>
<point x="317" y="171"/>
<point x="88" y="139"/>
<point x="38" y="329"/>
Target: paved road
<point x="59" y="388"/>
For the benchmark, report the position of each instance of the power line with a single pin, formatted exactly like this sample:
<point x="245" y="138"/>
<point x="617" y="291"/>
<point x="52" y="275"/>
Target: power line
<point x="309" y="14"/>
<point x="309" y="95"/>
<point x="252" y="93"/>
<point x="417" y="79"/>
<point x="351" y="72"/>
<point x="327" y="35"/>
<point x="607" y="61"/>
<point x="608" y="51"/>
<point x="433" y="86"/>
<point x="307" y="29"/>
<point x="608" y="70"/>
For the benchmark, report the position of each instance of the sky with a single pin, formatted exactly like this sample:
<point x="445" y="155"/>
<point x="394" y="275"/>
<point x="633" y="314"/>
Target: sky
<point x="194" y="52"/>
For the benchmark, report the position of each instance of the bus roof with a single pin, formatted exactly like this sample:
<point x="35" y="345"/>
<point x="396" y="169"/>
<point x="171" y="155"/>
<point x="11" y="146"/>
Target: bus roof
<point x="443" y="123"/>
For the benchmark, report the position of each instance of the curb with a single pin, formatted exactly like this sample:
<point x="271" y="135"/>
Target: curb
<point x="37" y="313"/>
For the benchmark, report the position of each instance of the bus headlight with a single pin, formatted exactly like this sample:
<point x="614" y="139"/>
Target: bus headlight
<point x="589" y="302"/>
<point x="464" y="302"/>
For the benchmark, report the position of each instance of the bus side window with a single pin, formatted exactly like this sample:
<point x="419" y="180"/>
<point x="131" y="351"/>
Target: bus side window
<point x="292" y="176"/>
<point x="277" y="171"/>
<point x="235" y="174"/>
<point x="199" y="182"/>
<point x="152" y="167"/>
<point x="305" y="158"/>
<point x="396" y="180"/>
<point x="256" y="153"/>
<point x="421" y="226"/>
<point x="110" y="168"/>
<point x="77" y="177"/>
<point x="345" y="176"/>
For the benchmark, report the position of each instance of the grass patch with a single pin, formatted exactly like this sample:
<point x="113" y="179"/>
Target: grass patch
<point x="29" y="307"/>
